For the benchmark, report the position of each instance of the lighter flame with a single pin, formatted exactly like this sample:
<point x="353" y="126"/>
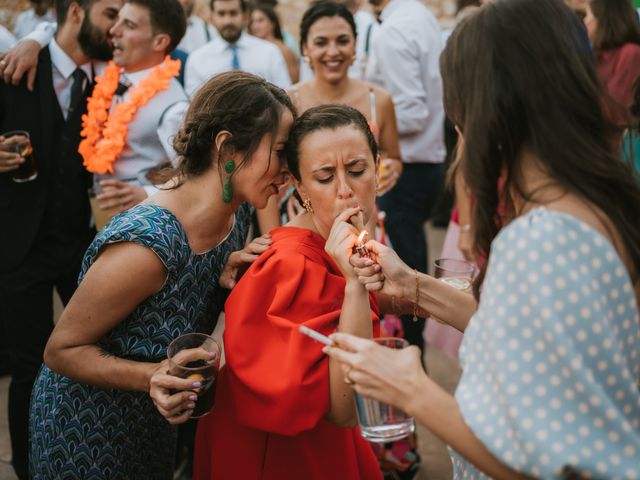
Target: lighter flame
<point x="363" y="234"/>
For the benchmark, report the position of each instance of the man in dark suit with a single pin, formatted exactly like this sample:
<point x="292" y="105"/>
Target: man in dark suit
<point x="45" y="222"/>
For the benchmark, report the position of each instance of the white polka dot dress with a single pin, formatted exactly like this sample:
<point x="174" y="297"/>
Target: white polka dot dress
<point x="551" y="358"/>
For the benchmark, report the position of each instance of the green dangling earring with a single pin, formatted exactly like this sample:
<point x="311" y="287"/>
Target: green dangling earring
<point x="227" y="188"/>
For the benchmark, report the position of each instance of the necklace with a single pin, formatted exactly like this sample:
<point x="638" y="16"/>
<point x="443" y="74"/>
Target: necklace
<point x="104" y="134"/>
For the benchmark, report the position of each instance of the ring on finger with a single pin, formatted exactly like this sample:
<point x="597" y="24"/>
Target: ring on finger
<point x="347" y="378"/>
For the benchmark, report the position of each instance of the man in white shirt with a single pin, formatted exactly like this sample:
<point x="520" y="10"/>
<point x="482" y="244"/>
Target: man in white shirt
<point x="28" y="20"/>
<point x="234" y="49"/>
<point x="198" y="33"/>
<point x="46" y="220"/>
<point x="405" y="61"/>
<point x="145" y="32"/>
<point x="7" y="40"/>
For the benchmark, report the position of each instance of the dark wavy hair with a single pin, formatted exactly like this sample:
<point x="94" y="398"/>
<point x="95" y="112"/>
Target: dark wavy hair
<point x="617" y="24"/>
<point x="324" y="117"/>
<point x="244" y="104"/>
<point x="271" y="14"/>
<point x="518" y="75"/>
<point x="321" y="9"/>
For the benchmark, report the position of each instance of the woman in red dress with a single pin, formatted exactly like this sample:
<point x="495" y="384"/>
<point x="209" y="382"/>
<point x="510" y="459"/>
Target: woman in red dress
<point x="283" y="410"/>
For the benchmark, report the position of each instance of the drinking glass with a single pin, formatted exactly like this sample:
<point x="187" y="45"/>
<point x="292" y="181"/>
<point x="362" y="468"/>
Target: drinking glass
<point x="101" y="217"/>
<point x="455" y="273"/>
<point x="190" y="357"/>
<point x="378" y="421"/>
<point x="19" y="141"/>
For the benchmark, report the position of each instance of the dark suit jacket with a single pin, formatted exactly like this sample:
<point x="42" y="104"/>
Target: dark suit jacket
<point x="22" y="205"/>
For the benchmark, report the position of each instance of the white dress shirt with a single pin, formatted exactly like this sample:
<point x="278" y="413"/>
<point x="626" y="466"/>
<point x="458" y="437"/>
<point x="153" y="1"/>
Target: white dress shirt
<point x="62" y="69"/>
<point x="7" y="40"/>
<point x="198" y="33"/>
<point x="27" y="21"/>
<point x="404" y="60"/>
<point x="150" y="133"/>
<point x="256" y="56"/>
<point x="366" y="25"/>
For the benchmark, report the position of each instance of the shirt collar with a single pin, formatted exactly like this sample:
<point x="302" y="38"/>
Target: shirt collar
<point x="242" y="41"/>
<point x="63" y="62"/>
<point x="389" y="9"/>
<point x="137" y="77"/>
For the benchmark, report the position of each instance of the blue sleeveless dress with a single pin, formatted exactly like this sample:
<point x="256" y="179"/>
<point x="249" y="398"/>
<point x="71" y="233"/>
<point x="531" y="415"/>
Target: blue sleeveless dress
<point x="80" y="431"/>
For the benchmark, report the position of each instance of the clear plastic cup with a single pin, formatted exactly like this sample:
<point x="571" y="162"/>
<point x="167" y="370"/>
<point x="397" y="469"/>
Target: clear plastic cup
<point x="378" y="421"/>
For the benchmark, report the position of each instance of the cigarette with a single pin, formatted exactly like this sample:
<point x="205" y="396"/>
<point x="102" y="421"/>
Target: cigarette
<point x="317" y="336"/>
<point x="356" y="221"/>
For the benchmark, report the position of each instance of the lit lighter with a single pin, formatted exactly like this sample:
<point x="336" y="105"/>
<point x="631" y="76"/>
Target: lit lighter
<point x="360" y="248"/>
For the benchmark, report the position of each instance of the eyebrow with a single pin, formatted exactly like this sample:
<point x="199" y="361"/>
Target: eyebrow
<point x="330" y="168"/>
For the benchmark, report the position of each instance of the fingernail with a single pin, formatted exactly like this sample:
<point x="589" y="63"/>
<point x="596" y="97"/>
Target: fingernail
<point x="368" y="262"/>
<point x="191" y="406"/>
<point x="193" y="397"/>
<point x="325" y="349"/>
<point x="196" y="384"/>
<point x="190" y="411"/>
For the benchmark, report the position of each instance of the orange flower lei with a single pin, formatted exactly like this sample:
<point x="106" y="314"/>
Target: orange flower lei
<point x="104" y="135"/>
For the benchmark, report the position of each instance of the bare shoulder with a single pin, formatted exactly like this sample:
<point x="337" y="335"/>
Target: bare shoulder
<point x="128" y="263"/>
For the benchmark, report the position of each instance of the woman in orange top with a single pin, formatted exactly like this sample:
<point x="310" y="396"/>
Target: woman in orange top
<point x="283" y="410"/>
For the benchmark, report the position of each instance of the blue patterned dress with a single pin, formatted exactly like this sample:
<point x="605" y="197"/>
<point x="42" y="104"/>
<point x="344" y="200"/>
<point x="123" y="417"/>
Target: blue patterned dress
<point x="551" y="359"/>
<point x="80" y="431"/>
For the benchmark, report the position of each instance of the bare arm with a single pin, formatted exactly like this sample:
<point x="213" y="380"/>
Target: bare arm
<point x="355" y="318"/>
<point x="123" y="276"/>
<point x="439" y="299"/>
<point x="396" y="377"/>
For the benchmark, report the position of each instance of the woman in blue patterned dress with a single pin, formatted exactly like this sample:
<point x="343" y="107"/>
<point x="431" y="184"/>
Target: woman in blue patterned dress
<point x="551" y="355"/>
<point x="151" y="275"/>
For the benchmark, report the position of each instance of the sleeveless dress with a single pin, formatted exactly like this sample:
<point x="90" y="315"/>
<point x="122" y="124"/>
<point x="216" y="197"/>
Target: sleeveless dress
<point x="551" y="357"/>
<point x="80" y="431"/>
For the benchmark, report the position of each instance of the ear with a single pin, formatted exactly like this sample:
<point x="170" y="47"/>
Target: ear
<point x="75" y="13"/>
<point x="221" y="137"/>
<point x="299" y="187"/>
<point x="161" y="42"/>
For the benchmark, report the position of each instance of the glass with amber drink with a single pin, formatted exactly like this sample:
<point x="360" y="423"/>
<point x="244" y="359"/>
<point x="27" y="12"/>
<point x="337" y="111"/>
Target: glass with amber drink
<point x="196" y="357"/>
<point x="19" y="141"/>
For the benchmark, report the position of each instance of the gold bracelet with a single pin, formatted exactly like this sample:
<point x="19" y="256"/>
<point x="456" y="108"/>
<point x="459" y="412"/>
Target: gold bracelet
<point x="415" y="306"/>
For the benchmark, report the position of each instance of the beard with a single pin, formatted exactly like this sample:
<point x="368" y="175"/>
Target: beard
<point x="231" y="34"/>
<point x="93" y="41"/>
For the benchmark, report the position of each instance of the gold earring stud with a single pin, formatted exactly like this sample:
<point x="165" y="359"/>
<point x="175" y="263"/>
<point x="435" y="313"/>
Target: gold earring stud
<point x="307" y="206"/>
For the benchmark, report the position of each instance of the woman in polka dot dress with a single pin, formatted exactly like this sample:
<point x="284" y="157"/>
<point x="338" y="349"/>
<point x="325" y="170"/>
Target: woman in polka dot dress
<point x="551" y="352"/>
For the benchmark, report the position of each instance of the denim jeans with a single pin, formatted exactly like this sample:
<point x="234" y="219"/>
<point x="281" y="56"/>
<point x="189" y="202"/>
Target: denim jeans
<point x="407" y="207"/>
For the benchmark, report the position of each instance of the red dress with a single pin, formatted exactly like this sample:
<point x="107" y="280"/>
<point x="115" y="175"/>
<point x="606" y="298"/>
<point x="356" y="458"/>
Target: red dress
<point x="273" y="392"/>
